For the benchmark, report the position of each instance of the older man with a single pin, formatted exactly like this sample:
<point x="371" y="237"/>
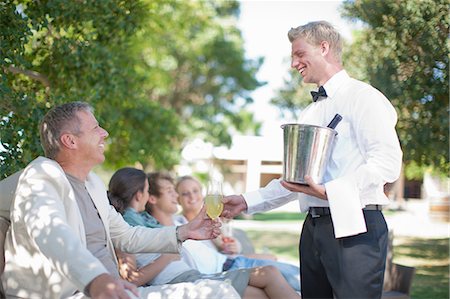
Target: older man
<point x="63" y="229"/>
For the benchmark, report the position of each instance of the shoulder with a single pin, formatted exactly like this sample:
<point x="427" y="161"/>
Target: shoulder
<point x="360" y="88"/>
<point x="128" y="216"/>
<point x="362" y="98"/>
<point x="132" y="217"/>
<point x="43" y="170"/>
<point x="129" y="213"/>
<point x="355" y="94"/>
<point x="45" y="165"/>
<point x="42" y="181"/>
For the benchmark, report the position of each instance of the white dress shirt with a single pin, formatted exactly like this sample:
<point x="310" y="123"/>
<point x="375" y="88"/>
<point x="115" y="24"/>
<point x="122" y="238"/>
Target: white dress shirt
<point x="366" y="155"/>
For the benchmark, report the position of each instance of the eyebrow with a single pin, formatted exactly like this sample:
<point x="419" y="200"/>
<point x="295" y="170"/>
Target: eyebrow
<point x="190" y="191"/>
<point x="95" y="125"/>
<point x="296" y="53"/>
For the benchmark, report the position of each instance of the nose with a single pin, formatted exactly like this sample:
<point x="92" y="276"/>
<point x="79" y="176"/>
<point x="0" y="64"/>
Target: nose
<point x="294" y="63"/>
<point x="104" y="133"/>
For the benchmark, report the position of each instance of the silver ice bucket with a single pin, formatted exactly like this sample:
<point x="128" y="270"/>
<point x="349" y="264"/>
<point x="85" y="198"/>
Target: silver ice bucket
<point x="307" y="149"/>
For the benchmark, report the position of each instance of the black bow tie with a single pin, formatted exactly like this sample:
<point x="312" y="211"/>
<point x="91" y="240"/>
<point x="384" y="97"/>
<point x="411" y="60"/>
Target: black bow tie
<point x="317" y="94"/>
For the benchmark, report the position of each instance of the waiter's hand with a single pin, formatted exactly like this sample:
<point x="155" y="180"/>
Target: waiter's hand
<point x="312" y="188"/>
<point x="233" y="205"/>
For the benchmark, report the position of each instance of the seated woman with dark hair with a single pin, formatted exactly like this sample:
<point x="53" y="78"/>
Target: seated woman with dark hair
<point x="128" y="192"/>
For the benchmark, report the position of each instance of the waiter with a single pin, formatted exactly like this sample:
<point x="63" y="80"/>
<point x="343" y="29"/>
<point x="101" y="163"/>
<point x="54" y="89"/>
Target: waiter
<point x="343" y="243"/>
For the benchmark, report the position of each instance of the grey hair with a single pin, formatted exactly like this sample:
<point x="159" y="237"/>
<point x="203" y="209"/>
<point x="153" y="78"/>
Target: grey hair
<point x="316" y="32"/>
<point x="57" y="121"/>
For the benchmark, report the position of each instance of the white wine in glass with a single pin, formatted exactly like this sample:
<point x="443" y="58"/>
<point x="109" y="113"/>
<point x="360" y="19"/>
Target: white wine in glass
<point x="213" y="199"/>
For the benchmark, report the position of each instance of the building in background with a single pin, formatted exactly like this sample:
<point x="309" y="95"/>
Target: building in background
<point x="251" y="161"/>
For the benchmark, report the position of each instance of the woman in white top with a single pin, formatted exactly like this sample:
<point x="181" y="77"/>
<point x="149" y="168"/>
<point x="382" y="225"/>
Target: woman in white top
<point x="191" y="201"/>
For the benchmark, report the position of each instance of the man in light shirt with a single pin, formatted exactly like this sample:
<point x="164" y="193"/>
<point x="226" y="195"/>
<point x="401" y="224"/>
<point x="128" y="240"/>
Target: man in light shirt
<point x="63" y="230"/>
<point x="343" y="242"/>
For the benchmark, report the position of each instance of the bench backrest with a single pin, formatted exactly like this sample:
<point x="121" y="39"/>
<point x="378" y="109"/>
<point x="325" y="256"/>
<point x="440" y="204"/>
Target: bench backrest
<point x="7" y="191"/>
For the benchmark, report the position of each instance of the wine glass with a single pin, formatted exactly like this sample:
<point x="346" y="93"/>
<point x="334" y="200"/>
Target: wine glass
<point x="227" y="231"/>
<point x="213" y="199"/>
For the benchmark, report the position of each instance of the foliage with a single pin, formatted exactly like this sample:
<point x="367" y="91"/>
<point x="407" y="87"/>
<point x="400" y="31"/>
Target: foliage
<point x="147" y="67"/>
<point x="403" y="49"/>
<point x="293" y="96"/>
<point x="201" y="69"/>
<point x="70" y="51"/>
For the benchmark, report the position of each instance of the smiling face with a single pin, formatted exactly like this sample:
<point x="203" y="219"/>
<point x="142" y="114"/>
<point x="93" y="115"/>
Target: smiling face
<point x="167" y="201"/>
<point x="309" y="60"/>
<point x="90" y="141"/>
<point x="190" y="196"/>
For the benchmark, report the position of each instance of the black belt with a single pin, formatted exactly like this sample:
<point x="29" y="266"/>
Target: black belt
<point x="324" y="211"/>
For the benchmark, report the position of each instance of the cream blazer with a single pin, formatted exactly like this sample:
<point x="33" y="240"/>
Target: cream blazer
<point x="45" y="246"/>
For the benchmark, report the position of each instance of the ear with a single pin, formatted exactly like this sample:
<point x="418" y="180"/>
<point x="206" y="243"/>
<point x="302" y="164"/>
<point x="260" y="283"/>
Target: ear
<point x="138" y="195"/>
<point x="68" y="141"/>
<point x="152" y="199"/>
<point x="324" y="48"/>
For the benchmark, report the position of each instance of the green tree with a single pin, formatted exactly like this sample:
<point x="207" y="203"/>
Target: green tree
<point x="71" y="51"/>
<point x="200" y="66"/>
<point x="130" y="60"/>
<point x="403" y="49"/>
<point x="293" y="96"/>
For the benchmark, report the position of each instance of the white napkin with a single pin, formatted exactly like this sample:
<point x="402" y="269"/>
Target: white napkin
<point x="345" y="207"/>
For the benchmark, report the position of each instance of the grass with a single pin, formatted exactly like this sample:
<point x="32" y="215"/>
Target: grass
<point x="275" y="216"/>
<point x="283" y="245"/>
<point x="430" y="257"/>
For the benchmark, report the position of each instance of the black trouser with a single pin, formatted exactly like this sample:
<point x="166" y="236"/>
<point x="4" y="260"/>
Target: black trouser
<point x="344" y="268"/>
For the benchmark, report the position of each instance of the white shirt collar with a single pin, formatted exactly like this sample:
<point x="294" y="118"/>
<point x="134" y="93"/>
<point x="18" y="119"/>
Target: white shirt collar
<point x="333" y="84"/>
